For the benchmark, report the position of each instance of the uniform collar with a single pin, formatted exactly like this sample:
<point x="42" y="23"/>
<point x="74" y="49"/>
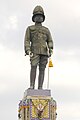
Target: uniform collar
<point x="38" y="24"/>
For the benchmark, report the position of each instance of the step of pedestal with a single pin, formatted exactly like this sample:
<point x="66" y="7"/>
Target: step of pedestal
<point x="38" y="93"/>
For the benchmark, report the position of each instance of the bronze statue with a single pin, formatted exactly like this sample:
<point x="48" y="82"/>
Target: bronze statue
<point x="38" y="45"/>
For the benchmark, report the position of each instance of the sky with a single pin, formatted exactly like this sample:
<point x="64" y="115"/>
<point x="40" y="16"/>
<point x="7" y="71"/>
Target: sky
<point x="63" y="21"/>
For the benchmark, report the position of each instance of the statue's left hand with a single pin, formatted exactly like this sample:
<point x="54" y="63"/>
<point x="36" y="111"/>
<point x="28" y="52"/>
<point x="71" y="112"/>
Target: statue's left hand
<point x="50" y="52"/>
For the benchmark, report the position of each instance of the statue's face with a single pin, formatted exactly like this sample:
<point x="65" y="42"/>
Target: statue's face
<point x="38" y="18"/>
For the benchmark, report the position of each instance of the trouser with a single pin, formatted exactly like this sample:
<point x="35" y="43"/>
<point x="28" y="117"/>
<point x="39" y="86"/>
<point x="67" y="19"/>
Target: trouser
<point x="40" y="60"/>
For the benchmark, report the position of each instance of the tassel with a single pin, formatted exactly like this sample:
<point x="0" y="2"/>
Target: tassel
<point x="50" y="63"/>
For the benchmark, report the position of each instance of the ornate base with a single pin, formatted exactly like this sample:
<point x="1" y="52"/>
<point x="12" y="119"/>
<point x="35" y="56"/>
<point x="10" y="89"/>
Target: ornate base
<point x="37" y="105"/>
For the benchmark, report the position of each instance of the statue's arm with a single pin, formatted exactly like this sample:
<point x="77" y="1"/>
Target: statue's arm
<point x="49" y="42"/>
<point x="27" y="41"/>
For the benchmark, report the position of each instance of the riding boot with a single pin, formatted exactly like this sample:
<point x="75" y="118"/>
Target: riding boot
<point x="32" y="77"/>
<point x="41" y="79"/>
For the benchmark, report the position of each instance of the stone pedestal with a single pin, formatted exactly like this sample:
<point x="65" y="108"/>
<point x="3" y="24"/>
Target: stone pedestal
<point x="37" y="105"/>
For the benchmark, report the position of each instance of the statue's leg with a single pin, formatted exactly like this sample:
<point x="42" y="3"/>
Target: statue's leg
<point x="32" y="76"/>
<point x="41" y="79"/>
<point x="34" y="61"/>
<point x="42" y="65"/>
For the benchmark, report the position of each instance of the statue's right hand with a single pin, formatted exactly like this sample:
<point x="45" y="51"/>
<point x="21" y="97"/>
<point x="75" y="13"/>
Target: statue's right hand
<point x="30" y="54"/>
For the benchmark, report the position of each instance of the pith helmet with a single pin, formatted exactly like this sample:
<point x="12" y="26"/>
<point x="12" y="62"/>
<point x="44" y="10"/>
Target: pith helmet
<point x="38" y="10"/>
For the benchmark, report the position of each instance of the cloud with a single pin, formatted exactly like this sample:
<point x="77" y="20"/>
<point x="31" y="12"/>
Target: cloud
<point x="12" y="23"/>
<point x="63" y="24"/>
<point x="66" y="111"/>
<point x="63" y="20"/>
<point x="14" y="79"/>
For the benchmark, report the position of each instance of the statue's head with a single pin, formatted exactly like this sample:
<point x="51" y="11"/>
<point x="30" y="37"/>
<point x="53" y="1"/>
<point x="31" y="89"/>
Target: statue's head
<point x="38" y="15"/>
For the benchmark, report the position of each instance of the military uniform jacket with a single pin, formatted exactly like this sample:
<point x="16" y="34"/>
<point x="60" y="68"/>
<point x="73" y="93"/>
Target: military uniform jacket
<point x="38" y="39"/>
